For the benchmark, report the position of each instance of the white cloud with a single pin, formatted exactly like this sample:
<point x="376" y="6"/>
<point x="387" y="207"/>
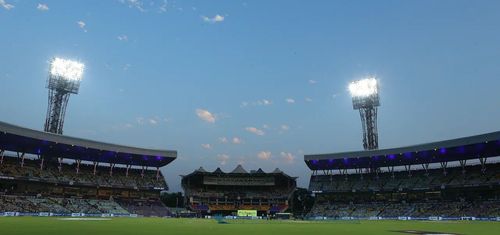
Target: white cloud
<point x="223" y="158"/>
<point x="307" y="99"/>
<point x="244" y="104"/>
<point x="263" y="102"/>
<point x="237" y="140"/>
<point x="42" y="7"/>
<point x="255" y="131"/>
<point x="285" y="127"/>
<point x="128" y="125"/>
<point x="6" y="5"/>
<point x="163" y="7"/>
<point x="137" y="4"/>
<point x="265" y="126"/>
<point x="205" y="115"/>
<point x="82" y="25"/>
<point x="287" y="157"/>
<point x="264" y="155"/>
<point x="140" y="120"/>
<point x="223" y="140"/>
<point x="122" y="37"/>
<point x="217" y="18"/>
<point x="241" y="160"/>
<point x="290" y="100"/>
<point x="153" y="121"/>
<point x="313" y="81"/>
<point x="206" y="146"/>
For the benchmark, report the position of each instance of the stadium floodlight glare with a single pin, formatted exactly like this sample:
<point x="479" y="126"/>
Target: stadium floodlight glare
<point x="64" y="79"/>
<point x="365" y="98"/>
<point x="66" y="69"/>
<point x="364" y="88"/>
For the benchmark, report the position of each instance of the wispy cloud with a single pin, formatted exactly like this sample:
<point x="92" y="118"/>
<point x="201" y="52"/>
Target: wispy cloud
<point x="255" y="131"/>
<point x="263" y="102"/>
<point x="153" y="121"/>
<point x="223" y="140"/>
<point x="222" y="158"/>
<point x="284" y="127"/>
<point x="163" y="6"/>
<point x="42" y="7"/>
<point x="6" y="5"/>
<point x="307" y="99"/>
<point x="215" y="19"/>
<point x="122" y="37"/>
<point x="136" y="4"/>
<point x="287" y="157"/>
<point x="140" y="120"/>
<point x="81" y="24"/>
<point x="264" y="155"/>
<point x="290" y="100"/>
<point x="313" y="81"/>
<point x="236" y="140"/>
<point x="206" y="146"/>
<point x="205" y="115"/>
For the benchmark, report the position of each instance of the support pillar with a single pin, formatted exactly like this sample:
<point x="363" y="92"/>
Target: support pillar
<point x="2" y="154"/>
<point x="157" y="173"/>
<point x="41" y="162"/>
<point x="60" y="159"/>
<point x="78" y="165"/>
<point x="483" y="164"/>
<point x="443" y="166"/>
<point x="111" y="166"/>
<point x="463" y="163"/>
<point x="22" y="159"/>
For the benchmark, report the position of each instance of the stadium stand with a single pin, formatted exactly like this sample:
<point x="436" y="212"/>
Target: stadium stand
<point x="224" y="193"/>
<point x="91" y="177"/>
<point x="449" y="179"/>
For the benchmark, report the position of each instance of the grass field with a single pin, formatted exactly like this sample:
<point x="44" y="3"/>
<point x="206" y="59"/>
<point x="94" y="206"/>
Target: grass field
<point x="145" y="226"/>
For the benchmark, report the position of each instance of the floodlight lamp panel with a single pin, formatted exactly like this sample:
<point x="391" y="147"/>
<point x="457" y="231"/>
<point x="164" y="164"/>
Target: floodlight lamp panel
<point x="69" y="70"/>
<point x="364" y="87"/>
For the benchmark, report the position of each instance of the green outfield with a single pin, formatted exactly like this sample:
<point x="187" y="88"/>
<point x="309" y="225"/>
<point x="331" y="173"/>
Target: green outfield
<point x="156" y="226"/>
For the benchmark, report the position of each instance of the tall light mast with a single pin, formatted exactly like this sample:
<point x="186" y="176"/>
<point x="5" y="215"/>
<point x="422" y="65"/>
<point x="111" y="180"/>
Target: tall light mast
<point x="64" y="79"/>
<point x="365" y="98"/>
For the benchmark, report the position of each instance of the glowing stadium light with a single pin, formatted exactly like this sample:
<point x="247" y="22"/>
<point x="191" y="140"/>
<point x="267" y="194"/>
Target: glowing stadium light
<point x="66" y="69"/>
<point x="64" y="79"/>
<point x="364" y="88"/>
<point x="365" y="98"/>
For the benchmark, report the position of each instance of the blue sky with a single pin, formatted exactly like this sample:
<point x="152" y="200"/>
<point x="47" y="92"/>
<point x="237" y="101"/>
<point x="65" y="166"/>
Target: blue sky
<point x="259" y="83"/>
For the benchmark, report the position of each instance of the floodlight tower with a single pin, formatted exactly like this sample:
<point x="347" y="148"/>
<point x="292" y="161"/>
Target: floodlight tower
<point x="365" y="98"/>
<point x="64" y="79"/>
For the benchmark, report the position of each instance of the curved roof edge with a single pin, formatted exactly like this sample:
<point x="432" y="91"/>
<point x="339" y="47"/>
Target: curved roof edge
<point x="483" y="145"/>
<point x="27" y="134"/>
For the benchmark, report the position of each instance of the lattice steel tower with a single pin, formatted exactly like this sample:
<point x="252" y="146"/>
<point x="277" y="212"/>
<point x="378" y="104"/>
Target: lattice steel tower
<point x="365" y="98"/>
<point x="64" y="79"/>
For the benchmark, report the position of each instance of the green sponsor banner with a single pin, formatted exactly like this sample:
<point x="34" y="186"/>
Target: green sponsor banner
<point x="247" y="212"/>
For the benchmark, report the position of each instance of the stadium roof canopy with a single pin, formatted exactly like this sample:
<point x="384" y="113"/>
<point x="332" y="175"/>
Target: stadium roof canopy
<point x="238" y="171"/>
<point x="472" y="147"/>
<point x="24" y="140"/>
